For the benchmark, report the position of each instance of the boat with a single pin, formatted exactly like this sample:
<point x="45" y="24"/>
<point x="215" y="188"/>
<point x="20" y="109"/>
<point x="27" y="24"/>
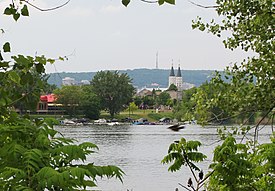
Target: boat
<point x="68" y="122"/>
<point x="176" y="127"/>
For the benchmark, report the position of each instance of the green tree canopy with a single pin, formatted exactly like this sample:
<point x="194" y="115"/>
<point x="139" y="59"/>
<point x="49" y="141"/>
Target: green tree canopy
<point x="70" y="97"/>
<point x="173" y="87"/>
<point x="114" y="90"/>
<point x="163" y="98"/>
<point x="90" y="102"/>
<point x="250" y="85"/>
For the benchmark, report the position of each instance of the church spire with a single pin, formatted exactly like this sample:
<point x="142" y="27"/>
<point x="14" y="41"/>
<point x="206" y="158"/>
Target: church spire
<point x="179" y="72"/>
<point x="172" y="73"/>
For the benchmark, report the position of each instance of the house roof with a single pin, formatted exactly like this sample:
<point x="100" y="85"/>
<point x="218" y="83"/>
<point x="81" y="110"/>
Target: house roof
<point x="50" y="98"/>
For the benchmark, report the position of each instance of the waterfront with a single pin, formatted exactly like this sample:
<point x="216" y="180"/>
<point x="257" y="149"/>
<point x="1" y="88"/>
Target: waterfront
<point x="138" y="151"/>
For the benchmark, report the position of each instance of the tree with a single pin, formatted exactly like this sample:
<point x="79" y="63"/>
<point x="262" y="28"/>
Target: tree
<point x="250" y="85"/>
<point x="90" y="102"/>
<point x="70" y="97"/>
<point x="148" y="102"/>
<point x="132" y="107"/>
<point x="114" y="90"/>
<point x="244" y="88"/>
<point x="185" y="108"/>
<point x="163" y="98"/>
<point x="137" y="100"/>
<point x="172" y="87"/>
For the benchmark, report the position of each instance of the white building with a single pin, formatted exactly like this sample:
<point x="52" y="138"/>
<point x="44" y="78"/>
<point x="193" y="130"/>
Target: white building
<point x="176" y="80"/>
<point x="85" y="82"/>
<point x="67" y="81"/>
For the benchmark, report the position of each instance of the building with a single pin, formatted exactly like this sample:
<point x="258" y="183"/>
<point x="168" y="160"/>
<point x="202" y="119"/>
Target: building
<point x="175" y="79"/>
<point x="47" y="105"/>
<point x="67" y="81"/>
<point x="144" y="92"/>
<point x="85" y="82"/>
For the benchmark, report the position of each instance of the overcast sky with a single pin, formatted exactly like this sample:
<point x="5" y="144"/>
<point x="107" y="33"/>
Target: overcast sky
<point x="103" y="34"/>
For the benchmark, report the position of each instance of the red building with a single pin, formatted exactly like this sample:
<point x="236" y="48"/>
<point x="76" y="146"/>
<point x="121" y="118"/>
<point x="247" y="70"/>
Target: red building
<point x="47" y="104"/>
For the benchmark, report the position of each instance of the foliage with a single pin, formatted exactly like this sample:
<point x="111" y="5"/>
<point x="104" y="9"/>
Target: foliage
<point x="21" y="81"/>
<point x="33" y="156"/>
<point x="148" y="102"/>
<point x="250" y="86"/>
<point x="172" y="87"/>
<point x="185" y="153"/>
<point x="114" y="90"/>
<point x="137" y="100"/>
<point x="132" y="107"/>
<point x="245" y="89"/>
<point x="70" y="97"/>
<point x="78" y="100"/>
<point x="90" y="103"/>
<point x="163" y="98"/>
<point x="236" y="160"/>
<point x="183" y="110"/>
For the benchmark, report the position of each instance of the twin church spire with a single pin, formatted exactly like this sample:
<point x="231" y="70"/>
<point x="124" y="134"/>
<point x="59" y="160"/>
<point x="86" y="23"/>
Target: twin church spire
<point x="176" y="80"/>
<point x="172" y="73"/>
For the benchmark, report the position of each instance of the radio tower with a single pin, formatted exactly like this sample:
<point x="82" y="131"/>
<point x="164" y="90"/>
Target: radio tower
<point x="157" y="64"/>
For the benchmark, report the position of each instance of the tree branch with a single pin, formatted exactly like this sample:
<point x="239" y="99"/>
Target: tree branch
<point x="187" y="161"/>
<point x="146" y="1"/>
<point x="185" y="187"/>
<point x="257" y="126"/>
<point x="205" y="7"/>
<point x="201" y="183"/>
<point x="48" y="9"/>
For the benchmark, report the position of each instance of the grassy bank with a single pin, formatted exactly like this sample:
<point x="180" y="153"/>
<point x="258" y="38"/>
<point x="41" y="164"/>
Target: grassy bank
<point x="151" y="115"/>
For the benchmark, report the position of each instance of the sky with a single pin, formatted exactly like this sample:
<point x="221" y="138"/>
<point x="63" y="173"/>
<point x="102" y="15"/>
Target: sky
<point x="104" y="35"/>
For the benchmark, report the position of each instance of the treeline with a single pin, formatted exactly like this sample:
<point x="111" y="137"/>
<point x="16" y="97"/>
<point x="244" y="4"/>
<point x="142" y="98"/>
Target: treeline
<point x="140" y="77"/>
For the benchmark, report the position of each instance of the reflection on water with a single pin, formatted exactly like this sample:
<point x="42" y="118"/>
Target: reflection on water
<point x="138" y="151"/>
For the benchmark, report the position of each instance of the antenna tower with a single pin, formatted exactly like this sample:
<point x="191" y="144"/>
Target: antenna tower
<point x="157" y="57"/>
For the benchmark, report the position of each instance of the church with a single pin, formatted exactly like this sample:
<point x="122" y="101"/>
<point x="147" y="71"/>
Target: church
<point x="175" y="79"/>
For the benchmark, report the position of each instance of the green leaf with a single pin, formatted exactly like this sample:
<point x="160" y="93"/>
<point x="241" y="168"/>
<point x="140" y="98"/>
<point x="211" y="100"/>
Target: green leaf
<point x="7" y="47"/>
<point x="8" y="11"/>
<point x="51" y="61"/>
<point x="61" y="58"/>
<point x="14" y="77"/>
<point x="170" y="1"/>
<point x="161" y="2"/>
<point x="25" y="11"/>
<point x="4" y="64"/>
<point x="39" y="68"/>
<point x="125" y="2"/>
<point x="16" y="16"/>
<point x="27" y="79"/>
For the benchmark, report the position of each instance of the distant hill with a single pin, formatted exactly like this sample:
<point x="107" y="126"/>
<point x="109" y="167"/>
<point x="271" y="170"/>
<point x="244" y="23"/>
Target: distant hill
<point x="141" y="77"/>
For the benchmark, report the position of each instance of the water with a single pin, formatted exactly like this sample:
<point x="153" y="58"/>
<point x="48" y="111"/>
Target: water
<point x="138" y="151"/>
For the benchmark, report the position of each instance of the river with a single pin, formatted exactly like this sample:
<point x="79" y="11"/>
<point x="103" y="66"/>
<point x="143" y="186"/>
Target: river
<point x="138" y="151"/>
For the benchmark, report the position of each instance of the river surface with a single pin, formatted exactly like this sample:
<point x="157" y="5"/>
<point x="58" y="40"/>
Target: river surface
<point x="138" y="151"/>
